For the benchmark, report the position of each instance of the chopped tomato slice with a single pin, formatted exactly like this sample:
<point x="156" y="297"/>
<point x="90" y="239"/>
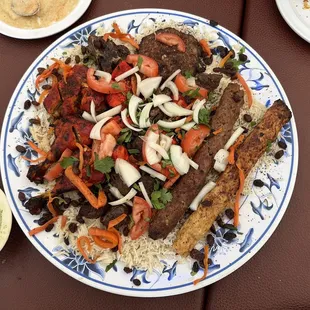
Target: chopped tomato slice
<point x="121" y="68"/>
<point x="112" y="127"/>
<point x="171" y="39"/>
<point x="194" y="138"/>
<point x="182" y="86"/>
<point x="102" y="86"/>
<point x="114" y="100"/>
<point x="120" y="152"/>
<point x="104" y="147"/>
<point x="141" y="214"/>
<point x="181" y="102"/>
<point x="148" y="67"/>
<point x="56" y="170"/>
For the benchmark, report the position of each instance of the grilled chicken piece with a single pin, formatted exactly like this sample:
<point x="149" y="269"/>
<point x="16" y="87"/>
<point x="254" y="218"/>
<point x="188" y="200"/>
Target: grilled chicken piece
<point x="53" y="101"/>
<point x="254" y="146"/>
<point x="89" y="95"/>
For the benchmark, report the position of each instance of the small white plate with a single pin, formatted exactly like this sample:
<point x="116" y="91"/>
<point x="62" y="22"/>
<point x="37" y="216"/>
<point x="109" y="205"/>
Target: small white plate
<point x="5" y="220"/>
<point x="296" y="16"/>
<point x="20" y="33"/>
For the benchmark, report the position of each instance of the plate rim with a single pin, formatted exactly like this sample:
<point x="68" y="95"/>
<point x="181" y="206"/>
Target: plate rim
<point x="168" y="291"/>
<point x="38" y="33"/>
<point x="292" y="19"/>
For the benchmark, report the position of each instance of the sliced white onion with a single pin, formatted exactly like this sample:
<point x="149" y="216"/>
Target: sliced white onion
<point x="197" y="109"/>
<point x="162" y="108"/>
<point x="144" y="120"/>
<point x="237" y="133"/>
<point x="147" y="86"/>
<point x="159" y="149"/>
<point x="175" y="109"/>
<point x="93" y="110"/>
<point x="88" y="117"/>
<point x="117" y="194"/>
<point x="132" y="193"/>
<point x="204" y="191"/>
<point x="160" y="99"/>
<point x="126" y="74"/>
<point x="144" y="193"/>
<point x="180" y="161"/>
<point x="125" y="121"/>
<point x="165" y="141"/>
<point x="172" y="125"/>
<point x="151" y="155"/>
<point x="133" y="107"/>
<point x="111" y="112"/>
<point x="171" y="85"/>
<point x="95" y="132"/>
<point x="193" y="164"/>
<point x="129" y="174"/>
<point x="195" y="104"/>
<point x="153" y="173"/>
<point x="188" y="126"/>
<point x="138" y="77"/>
<point x="191" y="82"/>
<point x="106" y="75"/>
<point x="219" y="167"/>
<point x="222" y="156"/>
<point x="170" y="78"/>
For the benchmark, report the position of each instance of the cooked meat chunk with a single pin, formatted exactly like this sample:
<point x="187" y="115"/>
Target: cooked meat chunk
<point x="117" y="182"/>
<point x="89" y="212"/>
<point x="224" y="193"/>
<point x="52" y="101"/>
<point x="115" y="211"/>
<point x="209" y="81"/>
<point x="69" y="106"/>
<point x="136" y="144"/>
<point x="89" y="95"/>
<point x="189" y="186"/>
<point x="63" y="185"/>
<point x="106" y="53"/>
<point x="156" y="114"/>
<point x="169" y="58"/>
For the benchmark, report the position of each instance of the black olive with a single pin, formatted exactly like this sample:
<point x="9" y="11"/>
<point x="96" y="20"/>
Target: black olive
<point x="35" y="103"/>
<point x="282" y="145"/>
<point x="279" y="154"/>
<point x="66" y="241"/>
<point x="49" y="227"/>
<point x="127" y="270"/>
<point x="21" y="196"/>
<point x="136" y="282"/>
<point x="258" y="183"/>
<point x="229" y="236"/>
<point x="210" y="240"/>
<point x="230" y="213"/>
<point x="213" y="23"/>
<point x="243" y="57"/>
<point x="196" y="254"/>
<point x="77" y="59"/>
<point x="27" y="104"/>
<point x="247" y="118"/>
<point x="20" y="149"/>
<point x="68" y="60"/>
<point x="195" y="267"/>
<point x="73" y="227"/>
<point x="34" y="121"/>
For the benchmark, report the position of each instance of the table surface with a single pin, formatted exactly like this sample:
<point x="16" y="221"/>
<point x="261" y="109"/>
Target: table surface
<point x="275" y="278"/>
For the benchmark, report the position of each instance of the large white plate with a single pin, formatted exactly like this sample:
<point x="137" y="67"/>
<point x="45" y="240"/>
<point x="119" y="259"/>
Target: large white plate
<point x="20" y="33"/>
<point x="296" y="16"/>
<point x="260" y="213"/>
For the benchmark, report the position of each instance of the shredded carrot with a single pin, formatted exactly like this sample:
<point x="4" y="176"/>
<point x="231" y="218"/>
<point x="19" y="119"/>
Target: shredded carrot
<point x="36" y="230"/>
<point x="179" y="136"/>
<point x="50" y="205"/>
<point x="36" y="148"/>
<point x="66" y="68"/>
<point x="119" y="238"/>
<point x="43" y="95"/>
<point x="80" y="243"/>
<point x="38" y="160"/>
<point x="205" y="46"/>
<point x="218" y="131"/>
<point x="102" y="199"/>
<point x="205" y="261"/>
<point x="223" y="61"/>
<point x="45" y="74"/>
<point x="232" y="149"/>
<point x="237" y="201"/>
<point x="117" y="220"/>
<point x="110" y="238"/>
<point x="170" y="182"/>
<point x="81" y="157"/>
<point x="247" y="89"/>
<point x="63" y="222"/>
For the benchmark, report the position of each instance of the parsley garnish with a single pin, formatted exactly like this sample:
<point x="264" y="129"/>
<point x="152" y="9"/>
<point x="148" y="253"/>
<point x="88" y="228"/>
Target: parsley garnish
<point x="253" y="123"/>
<point x="242" y="50"/>
<point x="110" y="266"/>
<point x="188" y="75"/>
<point x="103" y="165"/>
<point x="128" y="95"/>
<point x="268" y="146"/>
<point x="166" y="162"/>
<point x="160" y="198"/>
<point x="192" y="93"/>
<point x="235" y="63"/>
<point x="140" y="61"/>
<point x="125" y="137"/>
<point x="133" y="151"/>
<point x="115" y="86"/>
<point x="204" y="116"/>
<point x="88" y="171"/>
<point x="68" y="161"/>
<point x="156" y="185"/>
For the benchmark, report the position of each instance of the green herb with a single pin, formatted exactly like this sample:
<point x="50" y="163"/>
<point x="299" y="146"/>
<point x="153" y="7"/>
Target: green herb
<point x="156" y="185"/>
<point x="133" y="151"/>
<point x="192" y="93"/>
<point x="166" y="162"/>
<point x="140" y="61"/>
<point x="107" y="177"/>
<point x="204" y="116"/>
<point x="128" y="95"/>
<point x="115" y="86"/>
<point x="125" y="137"/>
<point x="125" y="130"/>
<point x="269" y="143"/>
<point x="64" y="53"/>
<point x="242" y="50"/>
<point x="253" y="123"/>
<point x="160" y="198"/>
<point x="137" y="187"/>
<point x="110" y="266"/>
<point x="171" y="173"/>
<point x="230" y="227"/>
<point x="103" y="165"/>
<point x="188" y="75"/>
<point x="68" y="161"/>
<point x="88" y="171"/>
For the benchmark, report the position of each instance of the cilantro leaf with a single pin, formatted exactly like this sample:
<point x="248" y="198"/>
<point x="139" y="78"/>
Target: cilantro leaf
<point x="242" y="50"/>
<point x="115" y="86"/>
<point x="204" y="116"/>
<point x="188" y="75"/>
<point x="166" y="162"/>
<point x="192" y="93"/>
<point x="160" y="198"/>
<point x="111" y="265"/>
<point x="253" y="123"/>
<point x="103" y="165"/>
<point x="269" y="143"/>
<point x="156" y="185"/>
<point x="125" y="137"/>
<point x="68" y="161"/>
<point x="140" y="61"/>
